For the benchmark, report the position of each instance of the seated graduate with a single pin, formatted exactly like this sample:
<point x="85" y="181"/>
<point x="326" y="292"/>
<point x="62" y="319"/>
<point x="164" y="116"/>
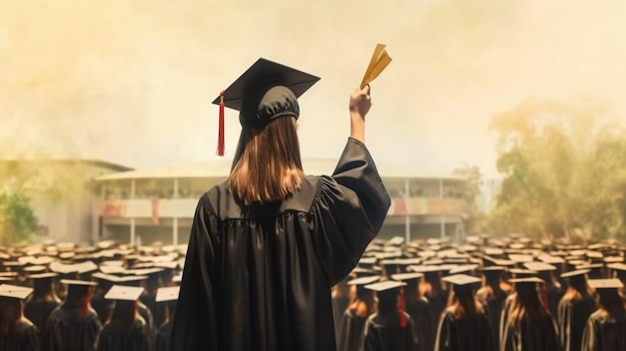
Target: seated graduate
<point x="574" y="309"/>
<point x="390" y="328"/>
<point x="168" y="297"/>
<point x="606" y="327"/>
<point x="463" y="325"/>
<point x="73" y="326"/>
<point x="269" y="242"/>
<point x="16" y="331"/>
<point x="126" y="330"/>
<point x="355" y="316"/>
<point x="417" y="307"/>
<point x="43" y="301"/>
<point x="528" y="325"/>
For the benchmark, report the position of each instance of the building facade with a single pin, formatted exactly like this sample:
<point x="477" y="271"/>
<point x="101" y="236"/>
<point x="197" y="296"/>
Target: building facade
<point x="145" y="206"/>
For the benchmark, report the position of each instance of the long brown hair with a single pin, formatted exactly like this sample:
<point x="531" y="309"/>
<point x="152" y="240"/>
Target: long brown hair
<point x="464" y="303"/>
<point x="267" y="166"/>
<point x="11" y="312"/>
<point x="527" y="305"/>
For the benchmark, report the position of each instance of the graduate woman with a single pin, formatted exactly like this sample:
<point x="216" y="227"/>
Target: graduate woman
<point x="269" y="242"/>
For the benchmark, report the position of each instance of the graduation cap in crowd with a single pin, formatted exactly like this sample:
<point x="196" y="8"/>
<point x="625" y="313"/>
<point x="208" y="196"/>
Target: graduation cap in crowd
<point x="167" y="294"/>
<point x="602" y="285"/>
<point x="462" y="283"/>
<point x="265" y="91"/>
<point x="12" y="294"/>
<point x="527" y="284"/>
<point x="124" y="293"/>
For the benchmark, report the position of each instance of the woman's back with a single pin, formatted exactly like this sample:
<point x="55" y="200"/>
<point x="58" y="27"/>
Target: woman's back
<point x="261" y="275"/>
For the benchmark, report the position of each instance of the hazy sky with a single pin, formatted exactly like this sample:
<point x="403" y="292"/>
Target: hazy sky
<point x="132" y="81"/>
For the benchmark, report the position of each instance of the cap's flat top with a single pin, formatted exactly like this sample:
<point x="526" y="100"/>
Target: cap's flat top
<point x="78" y="282"/>
<point x="426" y="269"/>
<point x="461" y="279"/>
<point x="618" y="266"/>
<point x="14" y="291"/>
<point x="364" y="280"/>
<point x="539" y="266"/>
<point x="526" y="280"/>
<point x="575" y="273"/>
<point x="123" y="293"/>
<point x="386" y="285"/>
<point x="406" y="276"/>
<point x="43" y="275"/>
<point x="169" y="293"/>
<point x="605" y="283"/>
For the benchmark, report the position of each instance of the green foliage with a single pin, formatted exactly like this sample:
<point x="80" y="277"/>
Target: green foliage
<point x="475" y="220"/>
<point x="564" y="170"/>
<point x="17" y="220"/>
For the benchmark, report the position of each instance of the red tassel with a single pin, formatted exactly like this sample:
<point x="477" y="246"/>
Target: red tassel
<point x="220" y="136"/>
<point x="402" y="308"/>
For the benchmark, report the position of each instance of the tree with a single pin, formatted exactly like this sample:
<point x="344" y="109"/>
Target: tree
<point x="475" y="220"/>
<point x="564" y="170"/>
<point x="17" y="220"/>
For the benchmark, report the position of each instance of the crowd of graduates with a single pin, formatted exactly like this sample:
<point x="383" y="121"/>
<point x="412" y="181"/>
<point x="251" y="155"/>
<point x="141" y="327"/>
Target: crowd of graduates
<point x="484" y="294"/>
<point x="108" y="297"/>
<point x="492" y="294"/>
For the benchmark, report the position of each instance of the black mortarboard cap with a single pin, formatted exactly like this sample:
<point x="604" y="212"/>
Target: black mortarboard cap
<point x="265" y="91"/>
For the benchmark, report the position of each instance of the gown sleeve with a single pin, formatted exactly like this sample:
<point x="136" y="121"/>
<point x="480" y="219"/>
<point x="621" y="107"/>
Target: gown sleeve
<point x="444" y="338"/>
<point x="350" y="208"/>
<point x="195" y="324"/>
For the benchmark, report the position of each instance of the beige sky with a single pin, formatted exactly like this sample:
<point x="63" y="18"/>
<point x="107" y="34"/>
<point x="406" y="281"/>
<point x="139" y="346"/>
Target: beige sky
<point x="132" y="81"/>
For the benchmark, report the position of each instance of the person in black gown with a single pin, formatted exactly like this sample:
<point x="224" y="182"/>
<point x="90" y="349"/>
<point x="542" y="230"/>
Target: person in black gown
<point x="43" y="301"/>
<point x="355" y="316"/>
<point x="341" y="298"/>
<point x="103" y="307"/>
<point x="268" y="243"/>
<point x="606" y="327"/>
<point x="527" y="325"/>
<point x="553" y="293"/>
<point x="435" y="291"/>
<point x="168" y="297"/>
<point x="463" y="325"/>
<point x="73" y="326"/>
<point x="389" y="328"/>
<point x="126" y="330"/>
<point x="148" y="298"/>
<point x="17" y="333"/>
<point x="574" y="309"/>
<point x="492" y="296"/>
<point x="417" y="308"/>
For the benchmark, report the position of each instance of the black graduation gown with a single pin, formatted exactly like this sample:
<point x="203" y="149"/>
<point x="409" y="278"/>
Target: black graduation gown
<point x="535" y="335"/>
<point x="103" y="307"/>
<point x="422" y="320"/>
<point x="572" y="319"/>
<point x="436" y="305"/>
<point x="350" y="332"/>
<point x="38" y="313"/>
<point x="493" y="307"/>
<point x="23" y="337"/>
<point x="260" y="278"/>
<point x="120" y="336"/>
<point x="604" y="333"/>
<point x="339" y="308"/>
<point x="67" y="331"/>
<point x="555" y="294"/>
<point x="384" y="333"/>
<point x="163" y="337"/>
<point x="463" y="334"/>
<point x="157" y="310"/>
